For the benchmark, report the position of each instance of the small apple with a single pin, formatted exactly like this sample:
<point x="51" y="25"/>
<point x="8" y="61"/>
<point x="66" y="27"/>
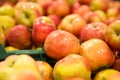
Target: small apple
<point x="93" y="30"/>
<point x="45" y="69"/>
<point x="72" y="23"/>
<point x="71" y="2"/>
<point x="112" y="35"/>
<point x="73" y="65"/>
<point x="85" y="1"/>
<point x="98" y="54"/>
<point x="59" y="7"/>
<point x="104" y="74"/>
<point x="27" y="12"/>
<point x="19" y="37"/>
<point x="42" y="26"/>
<point x="6" y="22"/>
<point x="55" y="18"/>
<point x="7" y="10"/>
<point x="10" y="48"/>
<point x="99" y="5"/>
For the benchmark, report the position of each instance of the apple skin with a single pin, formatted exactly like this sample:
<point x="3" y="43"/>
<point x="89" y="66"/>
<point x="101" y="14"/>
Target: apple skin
<point x="114" y="77"/>
<point x="19" y="37"/>
<point x="104" y="74"/>
<point x="27" y="12"/>
<point x="112" y="35"/>
<point x="6" y="22"/>
<point x="19" y="67"/>
<point x="45" y="69"/>
<point x="73" y="65"/>
<point x="93" y="30"/>
<point x="41" y="28"/>
<point x="98" y="54"/>
<point x="72" y="23"/>
<point x="59" y="7"/>
<point x="7" y="10"/>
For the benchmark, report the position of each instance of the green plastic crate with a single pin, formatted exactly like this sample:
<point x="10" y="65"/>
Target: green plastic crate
<point x="36" y="54"/>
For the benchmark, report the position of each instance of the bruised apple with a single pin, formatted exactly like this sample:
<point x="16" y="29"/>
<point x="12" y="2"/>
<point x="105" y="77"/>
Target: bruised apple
<point x="60" y="43"/>
<point x="98" y="54"/>
<point x="72" y="66"/>
<point x="45" y="70"/>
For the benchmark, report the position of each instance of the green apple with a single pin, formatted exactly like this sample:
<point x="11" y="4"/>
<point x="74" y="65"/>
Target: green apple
<point x="6" y="22"/>
<point x="19" y="67"/>
<point x="27" y="12"/>
<point x="102" y="75"/>
<point x="112" y="35"/>
<point x="7" y="10"/>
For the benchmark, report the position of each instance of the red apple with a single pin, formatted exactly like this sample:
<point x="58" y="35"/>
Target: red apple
<point x="72" y="23"/>
<point x="55" y="18"/>
<point x="112" y="35"/>
<point x="42" y="26"/>
<point x="80" y="9"/>
<point x="98" y="54"/>
<point x="19" y="37"/>
<point x="85" y="1"/>
<point x="44" y="4"/>
<point x="27" y="12"/>
<point x="93" y="30"/>
<point x="59" y="7"/>
<point x="73" y="65"/>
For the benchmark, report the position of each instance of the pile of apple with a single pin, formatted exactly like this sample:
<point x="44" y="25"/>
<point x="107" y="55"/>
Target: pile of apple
<point x="82" y="35"/>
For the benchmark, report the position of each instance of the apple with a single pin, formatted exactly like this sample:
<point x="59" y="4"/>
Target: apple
<point x="104" y="74"/>
<point x="19" y="67"/>
<point x="112" y="35"/>
<point x="102" y="15"/>
<point x="55" y="18"/>
<point x="71" y="2"/>
<point x="93" y="30"/>
<point x="19" y="37"/>
<point x="99" y="5"/>
<point x="6" y="23"/>
<point x="91" y="16"/>
<point x="80" y="9"/>
<point x="2" y="37"/>
<point x="7" y="10"/>
<point x="27" y="12"/>
<point x="72" y="23"/>
<point x="59" y="7"/>
<point x="98" y="54"/>
<point x="10" y="48"/>
<point x="60" y="43"/>
<point x="73" y="65"/>
<point x="45" y="69"/>
<point x="42" y="26"/>
<point x="44" y="4"/>
<point x="116" y="64"/>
